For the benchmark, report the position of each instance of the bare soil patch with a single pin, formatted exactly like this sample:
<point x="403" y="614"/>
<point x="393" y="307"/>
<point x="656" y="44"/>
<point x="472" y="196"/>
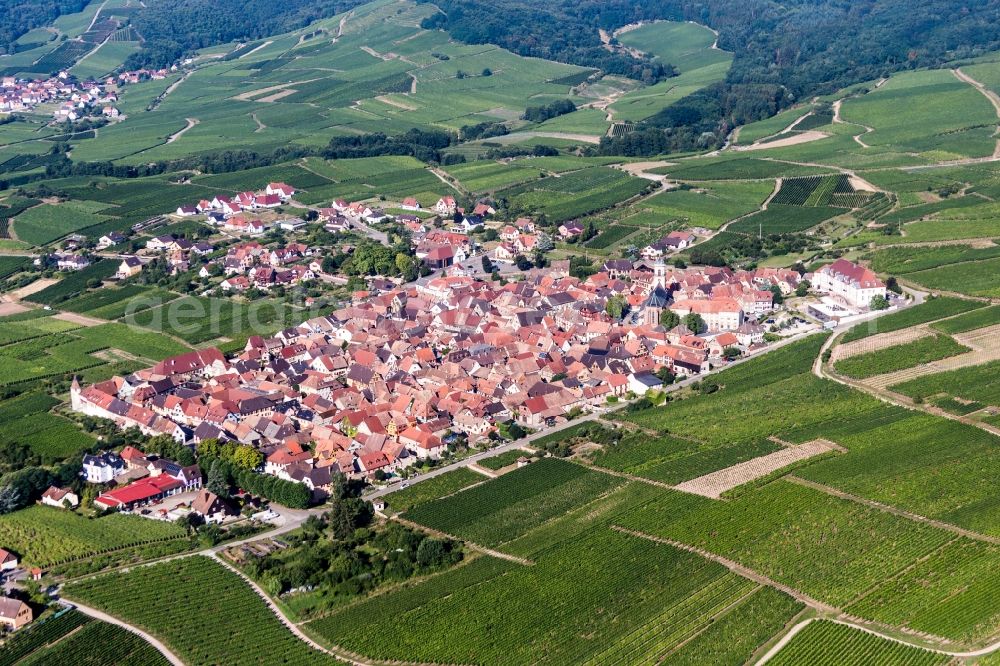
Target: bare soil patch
<point x="714" y="484"/>
<point x="794" y="140"/>
<point x="879" y="341"/>
<point x="385" y="99"/>
<point x="642" y="169"/>
<point x="278" y="95"/>
<point x="115" y="355"/>
<point x="32" y="288"/>
<point x="80" y="319"/>
<point x="860" y="184"/>
<point x="11" y="308"/>
<point x="250" y="94"/>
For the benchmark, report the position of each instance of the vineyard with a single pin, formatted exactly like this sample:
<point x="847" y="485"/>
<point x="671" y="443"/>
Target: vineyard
<point x="126" y="34"/>
<point x="931" y="310"/>
<point x="925" y="464"/>
<point x="824" y="643"/>
<point x="952" y="594"/>
<point x="672" y="460"/>
<point x="787" y="532"/>
<point x="812" y="191"/>
<point x="44" y="535"/>
<point x="506" y="507"/>
<point x="439" y="486"/>
<point x="12" y="207"/>
<point x="577" y="193"/>
<point x="62" y="57"/>
<point x="63" y="354"/>
<point x="742" y="168"/>
<point x="74" y="283"/>
<point x="596" y="596"/>
<point x="877" y="205"/>
<point x="974" y="278"/>
<point x="198" y="319"/>
<point x="900" y="357"/>
<point x="611" y="235"/>
<point x="730" y="638"/>
<point x="52" y="437"/>
<point x="901" y="260"/>
<point x="779" y="219"/>
<point x="815" y="120"/>
<point x="38" y="635"/>
<point x="49" y="222"/>
<point x="502" y="460"/>
<point x="980" y="383"/>
<point x="970" y="321"/>
<point x="116" y="303"/>
<point x="98" y="644"/>
<point x="205" y="613"/>
<point x="11" y="265"/>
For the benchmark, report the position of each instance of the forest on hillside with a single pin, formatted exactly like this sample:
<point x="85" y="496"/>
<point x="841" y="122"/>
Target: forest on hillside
<point x="173" y="28"/>
<point x="19" y="16"/>
<point x="784" y="51"/>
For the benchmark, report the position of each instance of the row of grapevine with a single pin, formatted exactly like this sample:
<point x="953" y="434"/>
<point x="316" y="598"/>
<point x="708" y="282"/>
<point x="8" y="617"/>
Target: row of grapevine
<point x="98" y="644"/>
<point x="824" y="643"/>
<point x="833" y="190"/>
<point x="40" y="634"/>
<point x="504" y="508"/>
<point x="850" y="199"/>
<point x="878" y="205"/>
<point x="204" y="612"/>
<point x="126" y="34"/>
<point x="645" y="643"/>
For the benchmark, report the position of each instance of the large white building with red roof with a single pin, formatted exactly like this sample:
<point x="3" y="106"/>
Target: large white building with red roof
<point x="854" y="284"/>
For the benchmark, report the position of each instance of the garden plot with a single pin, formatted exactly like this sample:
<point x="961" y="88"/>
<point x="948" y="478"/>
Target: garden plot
<point x="715" y="484"/>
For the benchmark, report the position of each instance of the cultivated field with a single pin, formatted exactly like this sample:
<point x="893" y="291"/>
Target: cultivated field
<point x="507" y="507"/>
<point x="244" y="629"/>
<point x="44" y="535"/>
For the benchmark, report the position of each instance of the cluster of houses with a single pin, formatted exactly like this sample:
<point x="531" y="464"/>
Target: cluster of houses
<point x="72" y="99"/>
<point x="672" y="242"/>
<point x="520" y="238"/>
<point x="221" y="209"/>
<point x="251" y="264"/>
<point x="393" y="378"/>
<point x="139" y="480"/>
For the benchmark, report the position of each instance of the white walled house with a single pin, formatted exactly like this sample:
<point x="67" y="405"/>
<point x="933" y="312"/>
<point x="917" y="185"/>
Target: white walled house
<point x="855" y="284"/>
<point x="103" y="468"/>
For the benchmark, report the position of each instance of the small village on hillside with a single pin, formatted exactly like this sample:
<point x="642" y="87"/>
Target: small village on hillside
<point x="405" y="374"/>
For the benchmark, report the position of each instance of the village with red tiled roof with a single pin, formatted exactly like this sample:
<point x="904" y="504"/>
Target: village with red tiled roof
<point x="392" y="378"/>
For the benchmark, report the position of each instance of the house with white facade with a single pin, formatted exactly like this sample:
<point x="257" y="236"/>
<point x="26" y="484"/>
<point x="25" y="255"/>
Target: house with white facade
<point x="847" y="281"/>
